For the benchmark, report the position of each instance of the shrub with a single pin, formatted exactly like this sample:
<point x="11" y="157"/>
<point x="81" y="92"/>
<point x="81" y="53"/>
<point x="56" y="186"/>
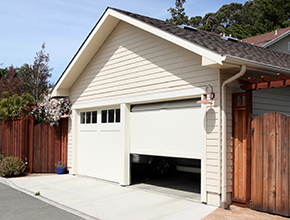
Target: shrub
<point x="1" y="157"/>
<point x="11" y="166"/>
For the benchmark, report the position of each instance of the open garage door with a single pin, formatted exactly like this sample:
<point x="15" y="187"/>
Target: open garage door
<point x="172" y="129"/>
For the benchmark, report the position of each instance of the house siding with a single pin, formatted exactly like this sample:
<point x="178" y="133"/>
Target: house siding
<point x="271" y="100"/>
<point x="132" y="62"/>
<point x="281" y="45"/>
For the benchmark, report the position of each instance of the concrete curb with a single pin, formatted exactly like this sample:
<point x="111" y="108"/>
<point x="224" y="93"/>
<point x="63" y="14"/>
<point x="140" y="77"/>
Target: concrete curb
<point x="46" y="200"/>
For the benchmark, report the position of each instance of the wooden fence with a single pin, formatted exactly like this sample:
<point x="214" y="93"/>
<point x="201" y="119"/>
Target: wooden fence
<point x="270" y="190"/>
<point x="40" y="146"/>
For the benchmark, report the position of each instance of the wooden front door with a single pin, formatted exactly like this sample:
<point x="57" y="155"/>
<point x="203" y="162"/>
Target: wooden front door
<point x="242" y="115"/>
<point x="270" y="176"/>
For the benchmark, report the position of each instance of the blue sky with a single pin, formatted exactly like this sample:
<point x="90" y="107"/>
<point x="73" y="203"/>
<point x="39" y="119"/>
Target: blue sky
<point x="64" y="24"/>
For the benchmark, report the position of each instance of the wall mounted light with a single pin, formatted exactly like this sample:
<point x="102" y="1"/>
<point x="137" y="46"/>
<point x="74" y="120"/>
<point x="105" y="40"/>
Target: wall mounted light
<point x="211" y="96"/>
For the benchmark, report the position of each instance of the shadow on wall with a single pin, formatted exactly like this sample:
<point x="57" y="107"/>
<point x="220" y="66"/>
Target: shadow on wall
<point x="210" y="113"/>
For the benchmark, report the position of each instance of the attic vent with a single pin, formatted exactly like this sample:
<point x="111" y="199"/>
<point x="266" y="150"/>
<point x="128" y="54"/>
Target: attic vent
<point x="187" y="27"/>
<point x="230" y="38"/>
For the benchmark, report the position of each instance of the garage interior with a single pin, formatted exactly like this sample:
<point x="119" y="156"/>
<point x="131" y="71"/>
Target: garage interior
<point x="174" y="182"/>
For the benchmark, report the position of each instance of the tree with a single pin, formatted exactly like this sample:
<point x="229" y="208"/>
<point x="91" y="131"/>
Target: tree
<point x="11" y="82"/>
<point x="253" y="18"/>
<point x="178" y="15"/>
<point x="31" y="79"/>
<point x="11" y="106"/>
<point x="35" y="78"/>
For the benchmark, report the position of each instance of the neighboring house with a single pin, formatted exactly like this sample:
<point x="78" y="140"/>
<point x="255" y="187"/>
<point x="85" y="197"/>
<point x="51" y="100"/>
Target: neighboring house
<point x="134" y="84"/>
<point x="276" y="40"/>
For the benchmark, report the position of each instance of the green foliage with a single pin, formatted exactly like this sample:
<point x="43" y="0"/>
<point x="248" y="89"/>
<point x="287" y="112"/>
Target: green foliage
<point x="10" y="106"/>
<point x="1" y="157"/>
<point x="178" y="14"/>
<point x="253" y="18"/>
<point x="11" y="166"/>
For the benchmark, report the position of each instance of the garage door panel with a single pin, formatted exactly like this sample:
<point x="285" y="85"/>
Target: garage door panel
<point x="145" y="120"/>
<point x="183" y="146"/>
<point x="176" y="129"/>
<point x="88" y="152"/>
<point x="147" y="144"/>
<point x="110" y="154"/>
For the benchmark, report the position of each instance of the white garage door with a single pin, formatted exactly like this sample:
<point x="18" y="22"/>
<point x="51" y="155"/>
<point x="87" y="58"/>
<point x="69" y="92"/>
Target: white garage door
<point x="99" y="139"/>
<point x="174" y="129"/>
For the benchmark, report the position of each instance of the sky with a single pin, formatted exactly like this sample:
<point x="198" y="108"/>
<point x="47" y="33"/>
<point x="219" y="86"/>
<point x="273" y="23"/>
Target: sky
<point x="63" y="25"/>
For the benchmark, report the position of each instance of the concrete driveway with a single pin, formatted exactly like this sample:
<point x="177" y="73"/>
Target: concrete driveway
<point x="92" y="198"/>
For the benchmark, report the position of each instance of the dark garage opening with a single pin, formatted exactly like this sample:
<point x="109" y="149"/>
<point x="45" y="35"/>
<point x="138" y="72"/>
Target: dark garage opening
<point x="176" y="177"/>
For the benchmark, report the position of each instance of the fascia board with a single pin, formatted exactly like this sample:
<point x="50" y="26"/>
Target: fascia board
<point x="254" y="64"/>
<point x="276" y="39"/>
<point x="215" y="57"/>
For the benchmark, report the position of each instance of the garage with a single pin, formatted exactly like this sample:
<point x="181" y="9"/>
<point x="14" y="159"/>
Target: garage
<point x="169" y="137"/>
<point x="99" y="136"/>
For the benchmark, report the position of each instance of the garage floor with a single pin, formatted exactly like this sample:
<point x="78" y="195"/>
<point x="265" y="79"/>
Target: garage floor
<point x="179" y="184"/>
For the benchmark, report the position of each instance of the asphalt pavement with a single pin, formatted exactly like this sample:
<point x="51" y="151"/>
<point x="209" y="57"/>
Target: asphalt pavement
<point x="16" y="205"/>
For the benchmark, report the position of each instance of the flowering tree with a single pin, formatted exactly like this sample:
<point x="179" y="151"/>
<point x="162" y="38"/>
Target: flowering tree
<point x="51" y="109"/>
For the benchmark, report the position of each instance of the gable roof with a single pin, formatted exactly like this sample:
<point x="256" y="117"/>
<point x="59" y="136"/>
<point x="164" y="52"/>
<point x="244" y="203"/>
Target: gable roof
<point x="267" y="39"/>
<point x="212" y="48"/>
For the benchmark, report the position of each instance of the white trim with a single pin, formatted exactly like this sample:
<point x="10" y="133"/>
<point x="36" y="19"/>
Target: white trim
<point x="203" y="194"/>
<point x="75" y="120"/>
<point x="188" y="93"/>
<point x="125" y="164"/>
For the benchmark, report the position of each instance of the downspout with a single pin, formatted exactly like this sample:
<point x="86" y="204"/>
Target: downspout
<point x="224" y="133"/>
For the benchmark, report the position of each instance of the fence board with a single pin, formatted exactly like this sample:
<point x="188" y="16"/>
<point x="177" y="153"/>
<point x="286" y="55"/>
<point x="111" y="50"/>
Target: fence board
<point x="49" y="146"/>
<point x="270" y="163"/>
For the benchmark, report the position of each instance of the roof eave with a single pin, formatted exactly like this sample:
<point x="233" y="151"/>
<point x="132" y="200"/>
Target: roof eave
<point x="254" y="64"/>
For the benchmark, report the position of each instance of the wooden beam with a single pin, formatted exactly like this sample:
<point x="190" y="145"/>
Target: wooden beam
<point x="249" y="87"/>
<point x="242" y="81"/>
<point x="255" y="80"/>
<point x="283" y="76"/>
<point x="263" y="85"/>
<point x="269" y="78"/>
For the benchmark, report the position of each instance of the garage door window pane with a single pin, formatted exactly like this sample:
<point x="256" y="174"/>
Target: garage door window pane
<point x="111" y="116"/>
<point x="88" y="117"/>
<point x="83" y="117"/>
<point x="104" y="116"/>
<point x="94" y="117"/>
<point x="118" y="115"/>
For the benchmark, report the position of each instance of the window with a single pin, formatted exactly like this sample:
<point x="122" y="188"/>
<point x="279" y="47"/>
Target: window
<point x="288" y="46"/>
<point x="104" y="116"/>
<point x="111" y="116"/>
<point x="83" y="117"/>
<point x="88" y="117"/>
<point x="94" y="117"/>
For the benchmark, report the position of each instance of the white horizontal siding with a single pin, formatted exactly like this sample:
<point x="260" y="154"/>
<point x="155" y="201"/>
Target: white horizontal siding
<point x="134" y="62"/>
